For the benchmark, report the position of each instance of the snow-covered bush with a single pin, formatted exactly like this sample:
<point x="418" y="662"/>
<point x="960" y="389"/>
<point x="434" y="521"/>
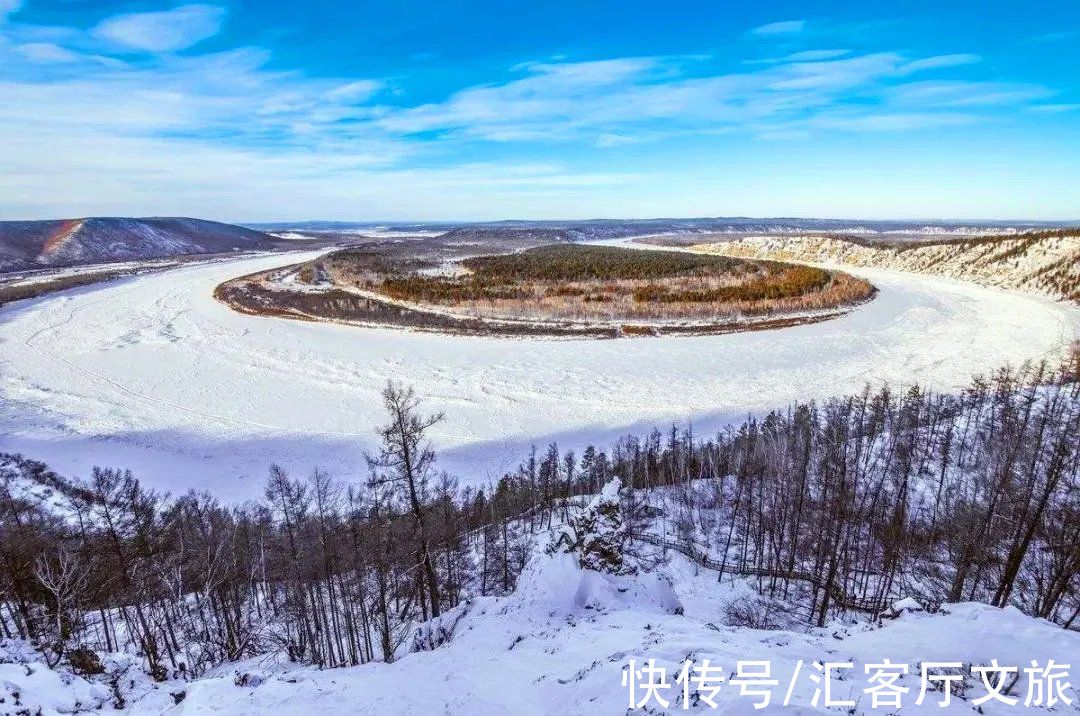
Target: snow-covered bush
<point x="440" y="630"/>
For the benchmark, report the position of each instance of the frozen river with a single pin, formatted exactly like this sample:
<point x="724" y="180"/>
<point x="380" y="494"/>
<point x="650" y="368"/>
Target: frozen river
<point x="153" y="374"/>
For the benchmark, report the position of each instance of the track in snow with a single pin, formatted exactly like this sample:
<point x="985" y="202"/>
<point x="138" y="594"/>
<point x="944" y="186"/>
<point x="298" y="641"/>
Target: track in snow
<point x="153" y="374"/>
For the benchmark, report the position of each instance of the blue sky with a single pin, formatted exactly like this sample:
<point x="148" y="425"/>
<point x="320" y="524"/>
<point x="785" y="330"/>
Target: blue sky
<point x="248" y="111"/>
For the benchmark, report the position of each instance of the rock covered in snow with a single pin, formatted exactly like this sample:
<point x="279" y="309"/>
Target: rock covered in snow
<point x="908" y="604"/>
<point x="598" y="534"/>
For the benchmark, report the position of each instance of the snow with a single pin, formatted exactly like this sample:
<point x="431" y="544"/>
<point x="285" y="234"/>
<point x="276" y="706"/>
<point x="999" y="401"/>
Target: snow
<point x="1048" y="267"/>
<point x="151" y="373"/>
<point x="546" y="649"/>
<point x="563" y="641"/>
<point x="25" y="681"/>
<point x="29" y="278"/>
<point x="907" y="604"/>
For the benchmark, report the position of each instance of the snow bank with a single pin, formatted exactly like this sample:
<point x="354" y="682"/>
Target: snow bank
<point x="544" y="650"/>
<point x="556" y="586"/>
<point x="29" y="686"/>
<point x="563" y="642"/>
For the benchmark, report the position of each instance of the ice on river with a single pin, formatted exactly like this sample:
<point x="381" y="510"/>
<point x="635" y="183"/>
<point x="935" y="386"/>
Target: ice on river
<point x="153" y="374"/>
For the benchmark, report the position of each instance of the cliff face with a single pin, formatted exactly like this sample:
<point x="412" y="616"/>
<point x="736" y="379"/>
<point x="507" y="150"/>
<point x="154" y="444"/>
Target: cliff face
<point x="1048" y="266"/>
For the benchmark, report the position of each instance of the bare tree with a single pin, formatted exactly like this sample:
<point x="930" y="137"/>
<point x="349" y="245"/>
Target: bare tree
<point x="406" y="460"/>
<point x="64" y="578"/>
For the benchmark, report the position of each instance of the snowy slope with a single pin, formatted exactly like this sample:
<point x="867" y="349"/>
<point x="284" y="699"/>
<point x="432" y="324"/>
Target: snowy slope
<point x="29" y="244"/>
<point x="563" y="641"/>
<point x="1048" y="266"/>
<point x="152" y="373"/>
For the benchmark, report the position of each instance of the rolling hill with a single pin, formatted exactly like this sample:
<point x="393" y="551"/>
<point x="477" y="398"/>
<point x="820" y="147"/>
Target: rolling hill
<point x="70" y="242"/>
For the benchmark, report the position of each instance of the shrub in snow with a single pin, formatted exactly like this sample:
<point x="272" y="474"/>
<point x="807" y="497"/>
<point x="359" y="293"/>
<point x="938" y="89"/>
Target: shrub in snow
<point x="750" y="609"/>
<point x="247" y="679"/>
<point x="441" y="629"/>
<point x="598" y="534"/>
<point x="85" y="662"/>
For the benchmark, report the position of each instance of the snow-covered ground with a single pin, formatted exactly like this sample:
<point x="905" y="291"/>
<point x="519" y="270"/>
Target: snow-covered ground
<point x="152" y="373"/>
<point x="564" y="642"/>
<point x="568" y="641"/>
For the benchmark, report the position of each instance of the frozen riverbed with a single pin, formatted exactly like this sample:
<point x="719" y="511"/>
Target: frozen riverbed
<point x="153" y="374"/>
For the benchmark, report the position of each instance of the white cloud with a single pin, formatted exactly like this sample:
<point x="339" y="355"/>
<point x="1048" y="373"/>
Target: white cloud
<point x="787" y="27"/>
<point x="162" y="31"/>
<point x="617" y="102"/>
<point x="47" y="52"/>
<point x="836" y="74"/>
<point x="1055" y="108"/>
<point x="504" y="112"/>
<point x="357" y="91"/>
<point x="940" y="61"/>
<point x="815" y="55"/>
<point x="891" y="121"/>
<point x="958" y="93"/>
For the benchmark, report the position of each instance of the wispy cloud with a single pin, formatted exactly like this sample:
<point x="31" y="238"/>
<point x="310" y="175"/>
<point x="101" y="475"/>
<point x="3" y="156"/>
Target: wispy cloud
<point x="616" y="101"/>
<point x="1055" y="108"/>
<point x="786" y="27"/>
<point x="133" y="108"/>
<point x="891" y="121"/>
<point x="47" y="52"/>
<point x="940" y="61"/>
<point x="163" y="31"/>
<point x="955" y="93"/>
<point x="357" y="91"/>
<point x="815" y="55"/>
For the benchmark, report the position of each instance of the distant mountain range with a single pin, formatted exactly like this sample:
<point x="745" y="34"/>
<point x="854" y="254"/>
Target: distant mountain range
<point x="28" y="245"/>
<point x="616" y="228"/>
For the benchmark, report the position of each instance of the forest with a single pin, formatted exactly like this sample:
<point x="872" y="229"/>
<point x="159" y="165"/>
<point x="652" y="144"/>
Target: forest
<point x="827" y="508"/>
<point x="571" y="282"/>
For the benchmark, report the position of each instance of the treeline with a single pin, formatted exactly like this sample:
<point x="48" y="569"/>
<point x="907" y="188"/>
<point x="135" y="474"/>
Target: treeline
<point x="857" y="502"/>
<point x="14" y="291"/>
<point x="835" y="507"/>
<point x="577" y="262"/>
<point x="791" y="283"/>
<point x="560" y="282"/>
<point x="1028" y="238"/>
<point x="326" y="573"/>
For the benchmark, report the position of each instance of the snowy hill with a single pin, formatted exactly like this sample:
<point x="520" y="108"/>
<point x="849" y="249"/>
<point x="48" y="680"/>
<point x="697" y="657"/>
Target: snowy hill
<point x="566" y="640"/>
<point x="36" y="244"/>
<point x="1044" y="264"/>
<point x="597" y="627"/>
